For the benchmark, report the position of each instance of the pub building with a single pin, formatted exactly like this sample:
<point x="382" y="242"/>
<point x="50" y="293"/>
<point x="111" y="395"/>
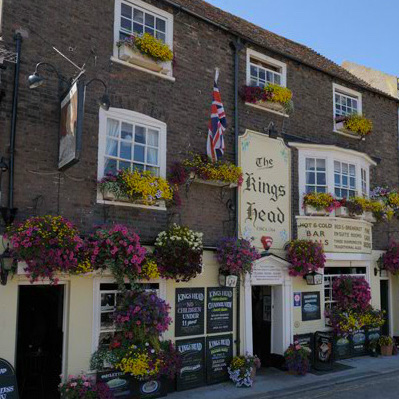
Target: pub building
<point x="284" y="152"/>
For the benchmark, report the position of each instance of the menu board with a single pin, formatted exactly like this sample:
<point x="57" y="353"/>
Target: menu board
<point x="373" y="334"/>
<point x="311" y="306"/>
<point x="306" y="341"/>
<point x="189" y="317"/>
<point x="342" y="347"/>
<point x="192" y="372"/>
<point x="324" y="355"/>
<point x="8" y="381"/>
<point x="359" y="342"/>
<point x="117" y="381"/>
<point x="219" y="352"/>
<point x="219" y="310"/>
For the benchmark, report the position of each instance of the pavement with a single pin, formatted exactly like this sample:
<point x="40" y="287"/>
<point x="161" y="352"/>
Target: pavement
<point x="271" y="383"/>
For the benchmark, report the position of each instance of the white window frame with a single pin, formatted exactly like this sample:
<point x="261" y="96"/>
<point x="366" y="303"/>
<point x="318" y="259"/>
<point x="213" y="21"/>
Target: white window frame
<point x="268" y="60"/>
<point x="349" y="176"/>
<point x="151" y="10"/>
<point x="315" y="172"/>
<point x="331" y="153"/>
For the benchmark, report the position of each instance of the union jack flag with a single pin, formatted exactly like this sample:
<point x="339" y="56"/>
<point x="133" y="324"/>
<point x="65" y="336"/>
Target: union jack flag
<point x="217" y="125"/>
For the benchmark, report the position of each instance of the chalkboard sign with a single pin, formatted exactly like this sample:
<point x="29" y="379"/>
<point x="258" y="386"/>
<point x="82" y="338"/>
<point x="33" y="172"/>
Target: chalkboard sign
<point x="324" y="350"/>
<point x="8" y="381"/>
<point x="306" y="341"/>
<point x="189" y="318"/>
<point x="118" y="382"/>
<point x="359" y="342"/>
<point x="192" y="372"/>
<point x="343" y="347"/>
<point x="311" y="306"/>
<point x="219" y="310"/>
<point x="219" y="352"/>
<point x="373" y="334"/>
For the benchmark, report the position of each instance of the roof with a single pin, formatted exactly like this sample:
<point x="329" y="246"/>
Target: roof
<point x="271" y="41"/>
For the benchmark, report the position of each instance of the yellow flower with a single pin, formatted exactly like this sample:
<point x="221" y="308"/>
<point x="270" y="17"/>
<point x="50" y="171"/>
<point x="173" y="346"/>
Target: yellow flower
<point x="154" y="47"/>
<point x="280" y="94"/>
<point x="358" y="124"/>
<point x="150" y="270"/>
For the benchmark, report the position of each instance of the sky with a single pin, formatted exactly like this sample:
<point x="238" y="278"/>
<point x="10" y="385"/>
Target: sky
<point x="361" y="31"/>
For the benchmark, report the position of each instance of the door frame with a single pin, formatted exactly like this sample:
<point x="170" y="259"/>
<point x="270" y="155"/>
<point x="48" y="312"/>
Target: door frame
<point x="65" y="311"/>
<point x="390" y="301"/>
<point x="278" y="276"/>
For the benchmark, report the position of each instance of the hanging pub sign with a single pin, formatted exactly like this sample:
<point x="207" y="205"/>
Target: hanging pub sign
<point x="70" y="137"/>
<point x="8" y="381"/>
<point x="265" y="195"/>
<point x="219" y="352"/>
<point x="343" y="347"/>
<point x="323" y="350"/>
<point x="311" y="306"/>
<point x="192" y="372"/>
<point x="306" y="341"/>
<point x="189" y="317"/>
<point x="219" y="310"/>
<point x="359" y="342"/>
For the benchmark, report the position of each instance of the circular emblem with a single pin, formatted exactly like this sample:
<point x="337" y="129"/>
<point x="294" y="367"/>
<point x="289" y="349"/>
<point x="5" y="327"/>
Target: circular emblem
<point x="150" y="386"/>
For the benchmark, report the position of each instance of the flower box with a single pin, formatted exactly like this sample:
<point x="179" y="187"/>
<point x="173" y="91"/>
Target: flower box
<point x="108" y="196"/>
<point x="274" y="106"/>
<point x="134" y="56"/>
<point x="342" y="212"/>
<point x="386" y="350"/>
<point x="339" y="126"/>
<point x="312" y="211"/>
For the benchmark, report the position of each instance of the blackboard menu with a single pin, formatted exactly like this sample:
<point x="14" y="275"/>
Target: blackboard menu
<point x="311" y="306"/>
<point x="359" y="342"/>
<point x="323" y="346"/>
<point x="373" y="334"/>
<point x="118" y="382"/>
<point x="219" y="352"/>
<point x="306" y="341"/>
<point x="219" y="310"/>
<point x="342" y="347"/>
<point x="189" y="318"/>
<point x="8" y="381"/>
<point x="192" y="372"/>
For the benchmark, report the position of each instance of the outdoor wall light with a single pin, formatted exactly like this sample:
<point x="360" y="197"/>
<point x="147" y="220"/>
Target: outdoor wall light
<point x="36" y="80"/>
<point x="314" y="278"/>
<point x="3" y="166"/>
<point x="6" y="264"/>
<point x="104" y="101"/>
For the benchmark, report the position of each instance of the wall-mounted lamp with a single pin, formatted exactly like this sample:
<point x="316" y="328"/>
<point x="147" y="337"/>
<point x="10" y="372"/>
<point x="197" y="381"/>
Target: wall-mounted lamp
<point x="6" y="265"/>
<point x="36" y="80"/>
<point x="314" y="278"/>
<point x="104" y="101"/>
<point x="271" y="129"/>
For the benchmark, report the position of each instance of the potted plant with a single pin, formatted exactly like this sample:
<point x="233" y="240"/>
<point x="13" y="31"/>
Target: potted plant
<point x="82" y="386"/>
<point x="319" y="204"/>
<point x="386" y="345"/>
<point x="354" y="124"/>
<point x="178" y="253"/>
<point x="297" y="359"/>
<point x="305" y="257"/>
<point x="137" y="187"/>
<point x="146" y="51"/>
<point x="235" y="257"/>
<point x="242" y="370"/>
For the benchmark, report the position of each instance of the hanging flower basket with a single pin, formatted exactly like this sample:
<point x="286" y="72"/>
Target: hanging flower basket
<point x="390" y="259"/>
<point x="305" y="257"/>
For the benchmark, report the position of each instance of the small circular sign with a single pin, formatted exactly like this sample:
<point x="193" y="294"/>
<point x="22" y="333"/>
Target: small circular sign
<point x="150" y="386"/>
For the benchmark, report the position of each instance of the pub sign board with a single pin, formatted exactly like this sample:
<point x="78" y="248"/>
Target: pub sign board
<point x="192" y="373"/>
<point x="219" y="310"/>
<point x="359" y="342"/>
<point x="311" y="309"/>
<point x="8" y="381"/>
<point x="306" y="341"/>
<point x="189" y="317"/>
<point x="324" y="350"/>
<point x="343" y="347"/>
<point x="264" y="205"/>
<point x="219" y="352"/>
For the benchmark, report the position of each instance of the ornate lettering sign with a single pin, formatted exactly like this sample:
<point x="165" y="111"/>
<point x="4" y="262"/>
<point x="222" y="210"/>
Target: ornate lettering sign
<point x="219" y="310"/>
<point x="265" y="274"/>
<point x="336" y="234"/>
<point x="219" y="352"/>
<point x="265" y="195"/>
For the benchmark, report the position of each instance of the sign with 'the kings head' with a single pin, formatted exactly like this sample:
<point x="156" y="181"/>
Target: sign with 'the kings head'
<point x="265" y="195"/>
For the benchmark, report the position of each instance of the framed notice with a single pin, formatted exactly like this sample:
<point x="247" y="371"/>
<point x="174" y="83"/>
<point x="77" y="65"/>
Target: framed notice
<point x="189" y="311"/>
<point x="311" y="306"/>
<point x="8" y="381"/>
<point x="219" y="310"/>
<point x="71" y="124"/>
<point x="192" y="373"/>
<point x="219" y="352"/>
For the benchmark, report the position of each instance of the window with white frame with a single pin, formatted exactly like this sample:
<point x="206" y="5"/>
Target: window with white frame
<point x="316" y="175"/>
<point x="344" y="179"/>
<point x="262" y="70"/>
<point x="129" y="140"/>
<point x="325" y="168"/>
<point x="346" y="101"/>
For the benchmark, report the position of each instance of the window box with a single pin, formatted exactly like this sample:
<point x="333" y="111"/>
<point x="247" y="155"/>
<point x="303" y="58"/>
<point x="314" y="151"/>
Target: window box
<point x="108" y="196"/>
<point x="134" y="56"/>
<point x="369" y="217"/>
<point x="342" y="212"/>
<point x="277" y="107"/>
<point x="339" y="127"/>
<point x="216" y="183"/>
<point x="312" y="211"/>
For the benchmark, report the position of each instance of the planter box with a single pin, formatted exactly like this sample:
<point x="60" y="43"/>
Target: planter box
<point x="386" y="350"/>
<point x="339" y="126"/>
<point x="216" y="183"/>
<point x="134" y="56"/>
<point x="311" y="211"/>
<point x="108" y="196"/>
<point x="272" y="106"/>
<point x="342" y="212"/>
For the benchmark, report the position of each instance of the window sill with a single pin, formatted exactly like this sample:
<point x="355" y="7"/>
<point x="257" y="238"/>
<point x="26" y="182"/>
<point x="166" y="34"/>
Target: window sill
<point x="109" y="200"/>
<point x="266" y="107"/>
<point x="139" y="68"/>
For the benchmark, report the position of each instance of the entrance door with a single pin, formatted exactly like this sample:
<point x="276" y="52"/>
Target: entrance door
<point x="384" y="293"/>
<point x="262" y="322"/>
<point x="40" y="340"/>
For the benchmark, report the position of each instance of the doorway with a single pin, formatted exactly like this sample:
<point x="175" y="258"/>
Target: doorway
<point x="40" y="340"/>
<point x="384" y="294"/>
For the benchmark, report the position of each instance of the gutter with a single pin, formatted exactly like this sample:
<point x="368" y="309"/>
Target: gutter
<point x="290" y="57"/>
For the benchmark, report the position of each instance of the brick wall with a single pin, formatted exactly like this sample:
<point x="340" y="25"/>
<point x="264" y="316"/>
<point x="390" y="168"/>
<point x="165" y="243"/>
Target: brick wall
<point x="184" y="105"/>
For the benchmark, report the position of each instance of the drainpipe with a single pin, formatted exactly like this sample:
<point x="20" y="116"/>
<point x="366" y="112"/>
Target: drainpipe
<point x="237" y="46"/>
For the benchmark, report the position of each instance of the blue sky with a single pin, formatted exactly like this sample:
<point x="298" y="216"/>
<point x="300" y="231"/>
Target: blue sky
<point x="362" y="31"/>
